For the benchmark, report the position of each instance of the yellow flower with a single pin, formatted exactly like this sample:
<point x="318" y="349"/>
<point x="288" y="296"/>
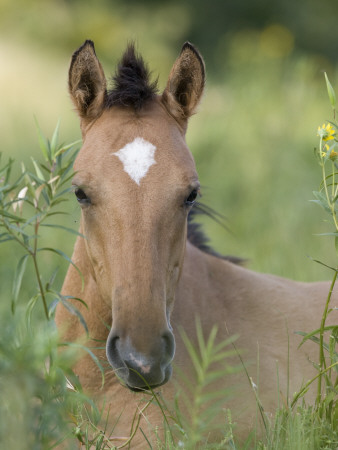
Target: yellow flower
<point x="326" y="132"/>
<point x="333" y="155"/>
<point x="326" y="149"/>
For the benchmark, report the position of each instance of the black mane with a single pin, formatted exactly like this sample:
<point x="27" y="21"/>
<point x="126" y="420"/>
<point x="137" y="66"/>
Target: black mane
<point x="199" y="239"/>
<point x="131" y="83"/>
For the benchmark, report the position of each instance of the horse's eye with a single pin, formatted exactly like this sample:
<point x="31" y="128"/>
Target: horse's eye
<point x="81" y="196"/>
<point x="190" y="200"/>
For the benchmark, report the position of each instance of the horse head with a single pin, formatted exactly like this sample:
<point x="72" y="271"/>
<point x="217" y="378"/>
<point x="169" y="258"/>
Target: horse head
<point x="136" y="181"/>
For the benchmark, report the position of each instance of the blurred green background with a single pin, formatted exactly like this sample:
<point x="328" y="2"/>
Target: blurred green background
<point x="255" y="132"/>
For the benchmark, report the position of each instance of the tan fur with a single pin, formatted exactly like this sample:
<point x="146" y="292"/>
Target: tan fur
<point x="133" y="255"/>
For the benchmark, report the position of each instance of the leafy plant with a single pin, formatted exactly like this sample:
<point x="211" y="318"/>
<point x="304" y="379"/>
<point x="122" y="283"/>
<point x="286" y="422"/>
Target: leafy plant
<point x="25" y="207"/>
<point x="326" y="197"/>
<point x="37" y="403"/>
<point x="200" y="398"/>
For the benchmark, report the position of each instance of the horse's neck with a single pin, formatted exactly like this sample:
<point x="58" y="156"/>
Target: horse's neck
<point x="221" y="292"/>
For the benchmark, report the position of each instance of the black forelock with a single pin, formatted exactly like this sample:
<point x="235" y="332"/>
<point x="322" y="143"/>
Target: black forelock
<point x="131" y="83"/>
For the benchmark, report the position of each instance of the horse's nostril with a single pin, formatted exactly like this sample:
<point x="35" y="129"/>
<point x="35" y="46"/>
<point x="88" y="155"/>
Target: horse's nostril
<point x="169" y="347"/>
<point x="112" y="349"/>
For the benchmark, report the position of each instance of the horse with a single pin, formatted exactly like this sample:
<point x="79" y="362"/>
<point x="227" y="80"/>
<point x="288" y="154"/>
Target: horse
<point x="146" y="267"/>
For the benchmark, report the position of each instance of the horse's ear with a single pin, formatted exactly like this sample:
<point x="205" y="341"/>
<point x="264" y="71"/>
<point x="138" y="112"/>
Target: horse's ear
<point x="87" y="83"/>
<point x="185" y="84"/>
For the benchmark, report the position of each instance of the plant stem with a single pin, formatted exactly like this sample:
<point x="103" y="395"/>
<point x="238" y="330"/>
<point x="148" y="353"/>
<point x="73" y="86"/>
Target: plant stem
<point x="37" y="272"/>
<point x="139" y="416"/>
<point x="321" y="339"/>
<point x="325" y="184"/>
<point x="305" y="388"/>
<point x="330" y="202"/>
<point x="333" y="181"/>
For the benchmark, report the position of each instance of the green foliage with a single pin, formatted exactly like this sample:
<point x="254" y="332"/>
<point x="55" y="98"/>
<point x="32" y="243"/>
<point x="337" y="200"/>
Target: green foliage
<point x="299" y="429"/>
<point x="42" y="403"/>
<point x="34" y="397"/>
<point x="40" y="395"/>
<point x="203" y="401"/>
<point x="327" y="390"/>
<point x="26" y="205"/>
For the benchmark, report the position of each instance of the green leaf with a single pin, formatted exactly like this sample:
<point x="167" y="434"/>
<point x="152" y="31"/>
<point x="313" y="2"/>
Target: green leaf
<point x="30" y="184"/>
<point x="332" y="348"/>
<point x="19" y="230"/>
<point x="321" y="200"/>
<point x="58" y="201"/>
<point x="51" y="280"/>
<point x="193" y="354"/>
<point x="78" y="300"/>
<point x="6" y="170"/>
<point x="20" y="270"/>
<point x="54" y="141"/>
<point x="73" y="310"/>
<point x="61" y="227"/>
<point x="67" y="297"/>
<point x="223" y="355"/>
<point x="317" y="341"/>
<point x="38" y="170"/>
<point x="335" y="269"/>
<point x="86" y="349"/>
<point x="57" y="213"/>
<point x="44" y="146"/>
<point x="64" y="148"/>
<point x="30" y="306"/>
<point x="58" y="252"/>
<point x="200" y="338"/>
<point x="63" y="255"/>
<point x="61" y="194"/>
<point x="226" y="343"/>
<point x="5" y="239"/>
<point x="336" y="243"/>
<point x="11" y="216"/>
<point x="215" y="375"/>
<point x="330" y="91"/>
<point x="312" y="333"/>
<point x="334" y="233"/>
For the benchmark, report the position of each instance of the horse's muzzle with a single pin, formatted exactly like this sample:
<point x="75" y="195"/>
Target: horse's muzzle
<point x="137" y="370"/>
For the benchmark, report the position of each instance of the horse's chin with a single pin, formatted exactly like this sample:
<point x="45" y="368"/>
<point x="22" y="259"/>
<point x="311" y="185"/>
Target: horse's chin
<point x="143" y="389"/>
<point x="149" y="388"/>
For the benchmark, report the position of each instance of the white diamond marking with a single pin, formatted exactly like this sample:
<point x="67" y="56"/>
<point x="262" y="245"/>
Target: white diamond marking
<point x="137" y="157"/>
